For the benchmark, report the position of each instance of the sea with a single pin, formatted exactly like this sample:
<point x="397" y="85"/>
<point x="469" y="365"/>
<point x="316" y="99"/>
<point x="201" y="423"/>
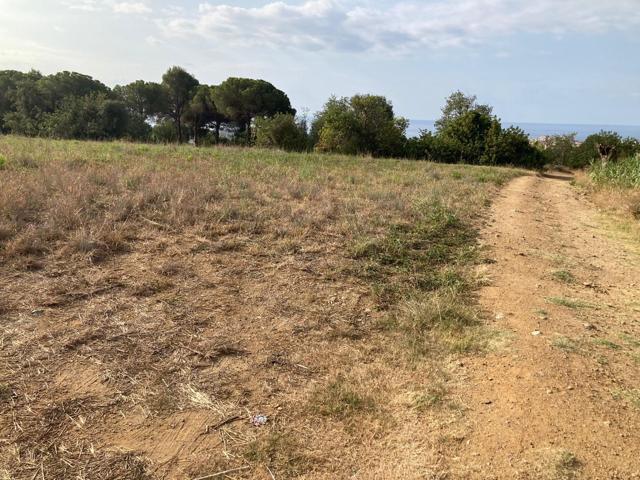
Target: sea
<point x="535" y="130"/>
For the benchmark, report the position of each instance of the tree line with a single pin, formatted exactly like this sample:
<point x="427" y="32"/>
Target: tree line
<point x="73" y="105"/>
<point x="603" y="146"/>
<point x="250" y="112"/>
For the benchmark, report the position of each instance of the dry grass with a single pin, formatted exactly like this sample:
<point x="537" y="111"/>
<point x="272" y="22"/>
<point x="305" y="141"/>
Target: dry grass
<point x="154" y="298"/>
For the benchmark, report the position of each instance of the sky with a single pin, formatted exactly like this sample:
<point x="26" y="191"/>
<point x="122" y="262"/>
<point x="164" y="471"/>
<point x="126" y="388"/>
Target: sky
<point x="552" y="61"/>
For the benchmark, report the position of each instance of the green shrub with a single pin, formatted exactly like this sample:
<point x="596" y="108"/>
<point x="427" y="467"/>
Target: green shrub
<point x="281" y="131"/>
<point x="3" y="161"/>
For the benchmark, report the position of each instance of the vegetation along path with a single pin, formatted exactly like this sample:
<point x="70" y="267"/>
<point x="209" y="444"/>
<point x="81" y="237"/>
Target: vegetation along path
<point x="561" y="400"/>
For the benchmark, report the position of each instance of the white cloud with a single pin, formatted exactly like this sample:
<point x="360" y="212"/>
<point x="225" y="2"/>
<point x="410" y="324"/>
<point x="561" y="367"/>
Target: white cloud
<point x="405" y="25"/>
<point x="100" y="5"/>
<point x="153" y="41"/>
<point x="131" y="7"/>
<point x="83" y="5"/>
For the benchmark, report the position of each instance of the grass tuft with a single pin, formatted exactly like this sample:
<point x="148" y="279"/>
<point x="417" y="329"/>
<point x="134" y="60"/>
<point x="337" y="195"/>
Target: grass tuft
<point x="563" y="276"/>
<point x="341" y="400"/>
<point x="568" y="302"/>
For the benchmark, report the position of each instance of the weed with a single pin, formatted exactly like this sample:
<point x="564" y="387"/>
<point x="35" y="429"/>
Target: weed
<point x="5" y="392"/>
<point x="563" y="276"/>
<point x="629" y="340"/>
<point x="568" y="302"/>
<point x="565" y="343"/>
<point x="341" y="400"/>
<point x="566" y="465"/>
<point x="435" y="396"/>
<point x="280" y="452"/>
<point x="607" y="343"/>
<point x="630" y="395"/>
<point x="623" y="172"/>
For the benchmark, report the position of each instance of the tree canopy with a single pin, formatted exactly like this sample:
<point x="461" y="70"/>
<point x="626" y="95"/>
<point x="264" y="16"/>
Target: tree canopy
<point x="180" y="87"/>
<point x="362" y="124"/>
<point x="243" y="99"/>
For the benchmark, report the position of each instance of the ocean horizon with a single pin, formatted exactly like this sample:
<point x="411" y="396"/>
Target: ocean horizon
<point x="535" y="130"/>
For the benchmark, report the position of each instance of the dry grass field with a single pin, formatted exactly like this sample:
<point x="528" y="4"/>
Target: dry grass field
<point x="154" y="299"/>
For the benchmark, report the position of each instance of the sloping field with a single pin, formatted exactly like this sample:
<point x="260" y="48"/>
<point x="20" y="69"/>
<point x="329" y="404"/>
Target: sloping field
<point x="154" y="300"/>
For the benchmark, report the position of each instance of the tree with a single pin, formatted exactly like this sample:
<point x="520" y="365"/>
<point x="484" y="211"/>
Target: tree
<point x="467" y="134"/>
<point x="281" y="131"/>
<point x="202" y="113"/>
<point x="335" y="128"/>
<point x="27" y="106"/>
<point x="9" y="81"/>
<point x="458" y="104"/>
<point x="180" y="87"/>
<point x="362" y="124"/>
<point x="144" y="102"/>
<point x="60" y="86"/>
<point x="243" y="99"/>
<point x="92" y="117"/>
<point x="511" y="146"/>
<point x="144" y="99"/>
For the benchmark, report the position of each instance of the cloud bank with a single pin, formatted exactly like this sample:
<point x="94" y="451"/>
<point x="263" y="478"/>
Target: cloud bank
<point x="400" y="26"/>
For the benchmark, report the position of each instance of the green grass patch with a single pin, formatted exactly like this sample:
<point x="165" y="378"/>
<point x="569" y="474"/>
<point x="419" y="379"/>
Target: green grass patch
<point x="629" y="340"/>
<point x="565" y="344"/>
<point x="607" y="343"/>
<point x="340" y="399"/>
<point x="568" y="302"/>
<point x="630" y="395"/>
<point x="566" y="465"/>
<point x="563" y="276"/>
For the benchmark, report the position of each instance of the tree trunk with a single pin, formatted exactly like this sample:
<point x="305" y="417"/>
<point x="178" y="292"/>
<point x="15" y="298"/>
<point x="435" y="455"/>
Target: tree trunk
<point x="217" y="134"/>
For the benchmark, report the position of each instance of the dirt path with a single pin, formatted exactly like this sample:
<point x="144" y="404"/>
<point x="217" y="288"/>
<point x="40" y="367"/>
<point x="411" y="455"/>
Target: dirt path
<point x="560" y="398"/>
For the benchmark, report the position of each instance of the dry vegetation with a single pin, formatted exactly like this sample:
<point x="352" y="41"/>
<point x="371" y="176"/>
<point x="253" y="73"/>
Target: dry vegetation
<point x="154" y="298"/>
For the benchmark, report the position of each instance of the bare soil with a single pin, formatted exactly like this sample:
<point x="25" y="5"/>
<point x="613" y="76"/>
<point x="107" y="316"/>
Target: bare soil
<point x="562" y="398"/>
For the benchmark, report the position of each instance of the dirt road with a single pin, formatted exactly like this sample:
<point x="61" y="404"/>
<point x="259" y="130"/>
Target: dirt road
<point x="559" y="397"/>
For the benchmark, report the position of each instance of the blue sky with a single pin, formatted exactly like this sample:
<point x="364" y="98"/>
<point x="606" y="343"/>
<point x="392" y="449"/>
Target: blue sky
<point x="556" y="61"/>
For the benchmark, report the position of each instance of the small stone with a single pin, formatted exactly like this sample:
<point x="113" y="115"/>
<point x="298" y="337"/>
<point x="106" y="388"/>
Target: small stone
<point x="258" y="420"/>
<point x="535" y="333"/>
<point x="549" y="391"/>
<point x="488" y="402"/>
<point x="588" y="326"/>
<point x="499" y="316"/>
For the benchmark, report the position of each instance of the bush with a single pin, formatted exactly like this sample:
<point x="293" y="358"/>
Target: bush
<point x="362" y="124"/>
<point x="282" y="131"/>
<point x="511" y="146"/>
<point x="94" y="117"/>
<point x="477" y="138"/>
<point x="164" y="131"/>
